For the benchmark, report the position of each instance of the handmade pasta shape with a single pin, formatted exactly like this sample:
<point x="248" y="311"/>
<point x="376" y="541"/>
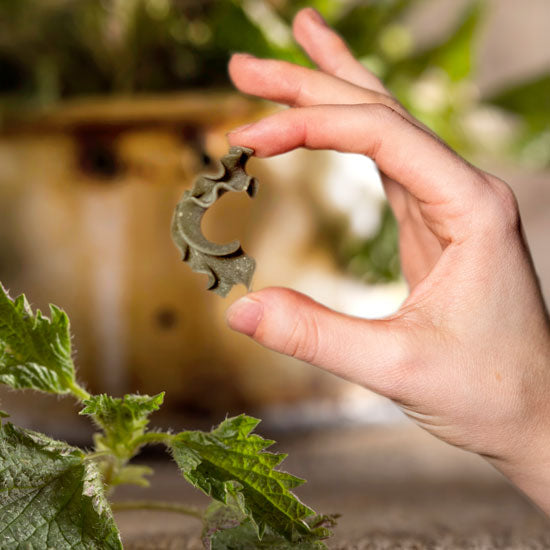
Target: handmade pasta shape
<point x="225" y="264"/>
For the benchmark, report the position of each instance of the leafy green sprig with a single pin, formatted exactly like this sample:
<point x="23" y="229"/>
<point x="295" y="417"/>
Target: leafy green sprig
<point x="53" y="495"/>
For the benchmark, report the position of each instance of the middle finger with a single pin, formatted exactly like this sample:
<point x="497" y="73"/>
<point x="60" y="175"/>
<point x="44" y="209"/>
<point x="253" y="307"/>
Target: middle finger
<point x="298" y="86"/>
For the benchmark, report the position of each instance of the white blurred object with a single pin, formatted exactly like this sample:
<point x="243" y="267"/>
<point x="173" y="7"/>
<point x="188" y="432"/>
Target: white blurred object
<point x="268" y="20"/>
<point x="355" y="407"/>
<point x="489" y="127"/>
<point x="349" y="295"/>
<point x="352" y="184"/>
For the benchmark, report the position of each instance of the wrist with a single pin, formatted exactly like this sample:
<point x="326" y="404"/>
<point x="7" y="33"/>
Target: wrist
<point x="531" y="477"/>
<point x="526" y="463"/>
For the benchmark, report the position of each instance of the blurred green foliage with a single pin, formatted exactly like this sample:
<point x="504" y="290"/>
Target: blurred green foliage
<point x="530" y="103"/>
<point x="376" y="259"/>
<point x="56" y="49"/>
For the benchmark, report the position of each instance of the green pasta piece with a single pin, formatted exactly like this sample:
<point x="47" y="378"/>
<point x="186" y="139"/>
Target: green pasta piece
<point x="225" y="264"/>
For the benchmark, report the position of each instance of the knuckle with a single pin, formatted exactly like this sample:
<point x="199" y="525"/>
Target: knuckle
<point x="388" y="112"/>
<point x="508" y="204"/>
<point x="501" y="210"/>
<point x="382" y="110"/>
<point x="303" y="339"/>
<point x="392" y="103"/>
<point x="399" y="375"/>
<point x="383" y="116"/>
<point x="403" y="359"/>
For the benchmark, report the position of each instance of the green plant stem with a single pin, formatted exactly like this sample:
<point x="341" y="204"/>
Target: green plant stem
<point x="117" y="463"/>
<point x="97" y="454"/>
<point x="153" y="437"/>
<point x="79" y="392"/>
<point x="158" y="505"/>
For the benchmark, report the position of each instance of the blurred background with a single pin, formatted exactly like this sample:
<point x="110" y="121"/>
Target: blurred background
<point x="110" y="108"/>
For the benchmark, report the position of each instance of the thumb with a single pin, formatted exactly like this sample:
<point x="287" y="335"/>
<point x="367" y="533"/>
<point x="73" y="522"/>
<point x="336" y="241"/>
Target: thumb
<point x="367" y="352"/>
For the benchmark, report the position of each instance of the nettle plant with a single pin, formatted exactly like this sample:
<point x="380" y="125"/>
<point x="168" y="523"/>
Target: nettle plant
<point x="53" y="495"/>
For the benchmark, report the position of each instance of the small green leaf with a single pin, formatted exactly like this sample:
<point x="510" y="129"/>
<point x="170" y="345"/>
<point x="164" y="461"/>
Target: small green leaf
<point x="122" y="420"/>
<point x="245" y="537"/>
<point x="4" y="414"/>
<point x="219" y="516"/>
<point x="227" y="528"/>
<point x="35" y="352"/>
<point x="133" y="475"/>
<point x="229" y="461"/>
<point x="376" y="259"/>
<point x="50" y="497"/>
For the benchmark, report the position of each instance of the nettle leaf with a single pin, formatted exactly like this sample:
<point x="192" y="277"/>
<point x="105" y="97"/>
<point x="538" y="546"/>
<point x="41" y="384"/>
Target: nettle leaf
<point x="229" y="461"/>
<point x="226" y="527"/>
<point x="35" y="352"/>
<point x="50" y="497"/>
<point x="121" y="419"/>
<point x="245" y="537"/>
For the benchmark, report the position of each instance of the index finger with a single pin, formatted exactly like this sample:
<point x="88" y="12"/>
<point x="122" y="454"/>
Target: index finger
<point x="425" y="166"/>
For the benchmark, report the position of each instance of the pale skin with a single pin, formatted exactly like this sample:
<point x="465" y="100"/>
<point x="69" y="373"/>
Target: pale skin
<point x="467" y="356"/>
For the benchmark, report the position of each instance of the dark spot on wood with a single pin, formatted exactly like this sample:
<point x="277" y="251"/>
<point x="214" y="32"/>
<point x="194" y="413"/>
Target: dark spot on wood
<point x="166" y="318"/>
<point x="97" y="154"/>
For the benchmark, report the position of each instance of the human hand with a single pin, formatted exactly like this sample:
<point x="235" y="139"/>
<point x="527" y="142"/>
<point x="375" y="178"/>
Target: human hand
<point x="467" y="356"/>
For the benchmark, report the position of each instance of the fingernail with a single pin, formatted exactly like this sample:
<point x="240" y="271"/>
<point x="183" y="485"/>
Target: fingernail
<point x="241" y="128"/>
<point x="243" y="54"/>
<point x="245" y="315"/>
<point x="315" y="16"/>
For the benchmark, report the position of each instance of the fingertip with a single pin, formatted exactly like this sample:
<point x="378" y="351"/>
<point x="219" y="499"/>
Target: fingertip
<point x="253" y="75"/>
<point x="308" y="15"/>
<point x="242" y="55"/>
<point x="240" y="129"/>
<point x="275" y="134"/>
<point x="236" y="60"/>
<point x="304" y="25"/>
<point x="238" y="137"/>
<point x="266" y="136"/>
<point x="245" y="315"/>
